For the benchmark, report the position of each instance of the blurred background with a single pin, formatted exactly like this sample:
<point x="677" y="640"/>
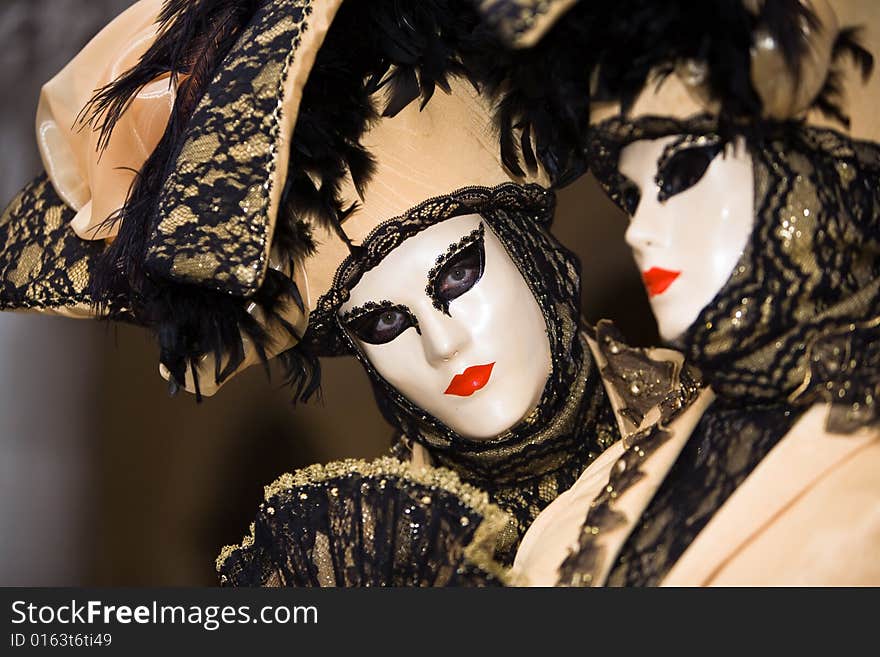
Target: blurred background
<point x="104" y="479"/>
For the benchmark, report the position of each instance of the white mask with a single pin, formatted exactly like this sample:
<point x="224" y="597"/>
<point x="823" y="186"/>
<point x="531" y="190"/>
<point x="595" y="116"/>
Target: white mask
<point x="474" y="350"/>
<point x="687" y="245"/>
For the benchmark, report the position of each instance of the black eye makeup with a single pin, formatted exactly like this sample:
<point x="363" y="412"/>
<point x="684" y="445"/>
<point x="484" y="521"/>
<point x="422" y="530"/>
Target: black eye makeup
<point x="457" y="270"/>
<point x="379" y="323"/>
<point x="684" y="162"/>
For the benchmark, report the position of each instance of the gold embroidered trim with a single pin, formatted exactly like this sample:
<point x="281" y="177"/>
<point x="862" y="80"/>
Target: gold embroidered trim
<point x="227" y="550"/>
<point x="580" y="566"/>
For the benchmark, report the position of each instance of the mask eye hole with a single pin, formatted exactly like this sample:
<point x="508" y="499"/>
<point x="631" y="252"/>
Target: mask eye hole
<point x="379" y="323"/>
<point x="461" y="273"/>
<point x="458" y="270"/>
<point x="683" y="164"/>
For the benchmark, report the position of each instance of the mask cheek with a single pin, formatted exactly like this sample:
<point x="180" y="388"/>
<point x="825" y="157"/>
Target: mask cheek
<point x="510" y="329"/>
<point x="730" y="229"/>
<point x="401" y="363"/>
<point x="492" y="306"/>
<point x="715" y="227"/>
<point x="476" y="312"/>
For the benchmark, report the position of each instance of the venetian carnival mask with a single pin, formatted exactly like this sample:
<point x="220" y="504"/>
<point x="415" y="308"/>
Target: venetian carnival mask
<point x="464" y="340"/>
<point x="316" y="208"/>
<point x="448" y="320"/>
<point x="692" y="221"/>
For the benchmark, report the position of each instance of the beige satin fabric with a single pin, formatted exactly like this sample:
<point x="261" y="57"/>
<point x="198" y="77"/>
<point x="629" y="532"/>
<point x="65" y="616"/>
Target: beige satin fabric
<point x="555" y="532"/>
<point x="92" y="183"/>
<point x="809" y="514"/>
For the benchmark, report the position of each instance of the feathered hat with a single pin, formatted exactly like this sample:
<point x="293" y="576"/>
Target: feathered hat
<point x="235" y="153"/>
<point x="751" y="63"/>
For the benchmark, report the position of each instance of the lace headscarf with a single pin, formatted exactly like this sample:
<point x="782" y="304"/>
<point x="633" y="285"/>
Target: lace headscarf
<point x="526" y="467"/>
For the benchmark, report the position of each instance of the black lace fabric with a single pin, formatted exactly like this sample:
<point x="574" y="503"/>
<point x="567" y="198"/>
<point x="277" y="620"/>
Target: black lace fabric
<point x="43" y="263"/>
<point x="795" y="325"/>
<point x="725" y="447"/>
<point x="379" y="523"/>
<point x="524" y="469"/>
<point x="530" y="478"/>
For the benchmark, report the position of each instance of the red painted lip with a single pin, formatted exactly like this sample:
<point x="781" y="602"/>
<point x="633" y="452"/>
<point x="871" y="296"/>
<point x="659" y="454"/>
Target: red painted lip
<point x="658" y="280"/>
<point x="469" y="381"/>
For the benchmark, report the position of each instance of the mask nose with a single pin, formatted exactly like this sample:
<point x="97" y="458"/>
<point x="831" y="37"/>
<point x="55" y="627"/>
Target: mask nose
<point x="443" y="337"/>
<point x="648" y="228"/>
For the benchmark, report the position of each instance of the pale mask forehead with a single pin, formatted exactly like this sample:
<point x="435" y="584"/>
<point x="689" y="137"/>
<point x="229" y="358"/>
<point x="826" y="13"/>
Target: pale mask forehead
<point x="408" y="265"/>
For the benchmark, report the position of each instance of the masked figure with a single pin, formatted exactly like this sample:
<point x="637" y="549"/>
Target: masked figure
<point x="320" y="178"/>
<point x="757" y="228"/>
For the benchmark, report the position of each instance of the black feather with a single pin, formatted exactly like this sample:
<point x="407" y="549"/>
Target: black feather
<point x="528" y="153"/>
<point x="848" y="44"/>
<point x="829" y="100"/>
<point x="402" y="88"/>
<point x="609" y="50"/>
<point x="192" y="36"/>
